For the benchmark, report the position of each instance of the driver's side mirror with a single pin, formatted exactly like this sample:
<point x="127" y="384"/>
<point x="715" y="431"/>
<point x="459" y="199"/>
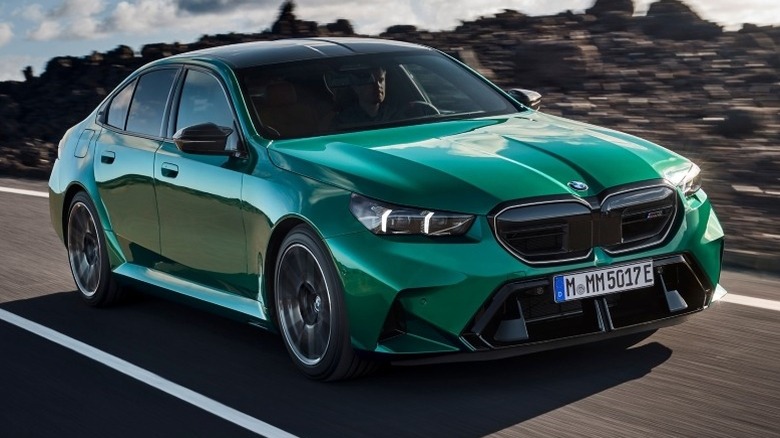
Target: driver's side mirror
<point x="204" y="138"/>
<point x="529" y="98"/>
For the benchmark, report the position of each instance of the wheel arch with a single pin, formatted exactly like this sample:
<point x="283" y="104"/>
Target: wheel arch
<point x="114" y="253"/>
<point x="279" y="232"/>
<point x="66" y="200"/>
<point x="339" y="359"/>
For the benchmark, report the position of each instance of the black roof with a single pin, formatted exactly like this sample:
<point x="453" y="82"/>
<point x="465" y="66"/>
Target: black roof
<point x="272" y="52"/>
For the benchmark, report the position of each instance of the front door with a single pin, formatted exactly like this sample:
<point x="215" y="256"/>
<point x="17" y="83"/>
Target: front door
<point x="199" y="196"/>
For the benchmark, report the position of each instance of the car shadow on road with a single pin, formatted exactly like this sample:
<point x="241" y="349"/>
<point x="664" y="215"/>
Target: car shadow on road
<point x="248" y="370"/>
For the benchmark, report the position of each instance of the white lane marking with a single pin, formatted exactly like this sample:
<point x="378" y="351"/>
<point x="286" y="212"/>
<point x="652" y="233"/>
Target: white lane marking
<point x="25" y="192"/>
<point x="720" y="292"/>
<point x="151" y="379"/>
<point x="752" y="302"/>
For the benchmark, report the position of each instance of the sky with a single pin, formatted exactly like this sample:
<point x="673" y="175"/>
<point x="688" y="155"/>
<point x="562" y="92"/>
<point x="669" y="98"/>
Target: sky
<point x="34" y="31"/>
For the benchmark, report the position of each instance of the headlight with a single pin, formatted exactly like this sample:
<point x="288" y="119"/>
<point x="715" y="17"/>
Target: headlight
<point x="381" y="218"/>
<point x="687" y="178"/>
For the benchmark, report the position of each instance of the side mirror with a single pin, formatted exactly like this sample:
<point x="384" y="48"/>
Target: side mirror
<point x="529" y="98"/>
<point x="205" y="138"/>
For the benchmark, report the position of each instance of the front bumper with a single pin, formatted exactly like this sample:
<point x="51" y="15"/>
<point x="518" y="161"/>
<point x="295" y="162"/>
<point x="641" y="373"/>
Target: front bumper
<point x="416" y="297"/>
<point x="530" y="348"/>
<point x="523" y="313"/>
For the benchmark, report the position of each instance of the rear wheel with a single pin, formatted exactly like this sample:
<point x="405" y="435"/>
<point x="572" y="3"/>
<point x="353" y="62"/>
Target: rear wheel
<point x="310" y="310"/>
<point x="87" y="254"/>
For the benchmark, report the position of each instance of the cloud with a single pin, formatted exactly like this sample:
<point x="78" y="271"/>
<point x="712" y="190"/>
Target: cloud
<point x="83" y="28"/>
<point x="133" y="16"/>
<point x="209" y="6"/>
<point x="45" y="31"/>
<point x="6" y="33"/>
<point x="33" y="12"/>
<point x="363" y="15"/>
<point x="141" y="15"/>
<point x="734" y="14"/>
<point x="70" y="20"/>
<point x="77" y="8"/>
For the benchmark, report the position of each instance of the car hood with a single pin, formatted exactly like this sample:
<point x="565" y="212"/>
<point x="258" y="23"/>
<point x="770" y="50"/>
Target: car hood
<point x="471" y="166"/>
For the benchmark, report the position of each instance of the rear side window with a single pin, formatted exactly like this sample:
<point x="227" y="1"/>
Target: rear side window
<point x="117" y="111"/>
<point x="148" y="105"/>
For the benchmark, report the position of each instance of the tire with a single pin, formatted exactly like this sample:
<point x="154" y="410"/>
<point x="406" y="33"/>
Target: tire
<point x="87" y="254"/>
<point x="310" y="310"/>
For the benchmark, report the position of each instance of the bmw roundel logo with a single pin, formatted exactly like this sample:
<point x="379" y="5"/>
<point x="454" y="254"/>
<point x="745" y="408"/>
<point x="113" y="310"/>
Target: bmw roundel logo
<point x="578" y="185"/>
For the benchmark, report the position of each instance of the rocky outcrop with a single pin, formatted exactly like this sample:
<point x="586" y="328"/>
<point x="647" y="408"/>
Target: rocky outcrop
<point x="673" y="19"/>
<point x="669" y="76"/>
<point x="612" y="15"/>
<point x="560" y="64"/>
<point x="340" y="27"/>
<point x="612" y="7"/>
<point x="289" y="26"/>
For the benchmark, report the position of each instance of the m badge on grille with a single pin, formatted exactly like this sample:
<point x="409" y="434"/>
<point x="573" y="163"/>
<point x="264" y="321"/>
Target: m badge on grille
<point x="654" y="214"/>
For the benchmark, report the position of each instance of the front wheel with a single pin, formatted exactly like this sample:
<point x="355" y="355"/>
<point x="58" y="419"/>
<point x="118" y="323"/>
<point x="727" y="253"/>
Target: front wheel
<point x="87" y="254"/>
<point x="311" y="312"/>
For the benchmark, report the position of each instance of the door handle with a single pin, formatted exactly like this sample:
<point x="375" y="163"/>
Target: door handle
<point x="107" y="157"/>
<point x="169" y="170"/>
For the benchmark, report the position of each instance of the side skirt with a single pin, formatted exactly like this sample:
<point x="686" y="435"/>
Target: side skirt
<point x="233" y="306"/>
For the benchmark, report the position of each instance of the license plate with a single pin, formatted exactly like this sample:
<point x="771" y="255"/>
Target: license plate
<point x="604" y="281"/>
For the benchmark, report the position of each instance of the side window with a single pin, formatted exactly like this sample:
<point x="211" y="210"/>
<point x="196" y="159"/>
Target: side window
<point x="203" y="101"/>
<point x="117" y="111"/>
<point x="148" y="106"/>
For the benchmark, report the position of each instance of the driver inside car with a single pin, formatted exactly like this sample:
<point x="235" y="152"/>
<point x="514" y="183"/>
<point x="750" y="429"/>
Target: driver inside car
<point x="368" y="104"/>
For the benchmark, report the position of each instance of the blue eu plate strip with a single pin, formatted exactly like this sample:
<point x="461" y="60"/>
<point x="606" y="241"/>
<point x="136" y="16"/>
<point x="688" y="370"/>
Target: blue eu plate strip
<point x="559" y="288"/>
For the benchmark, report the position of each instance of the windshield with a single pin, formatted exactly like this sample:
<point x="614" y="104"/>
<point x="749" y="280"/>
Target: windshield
<point x="326" y="96"/>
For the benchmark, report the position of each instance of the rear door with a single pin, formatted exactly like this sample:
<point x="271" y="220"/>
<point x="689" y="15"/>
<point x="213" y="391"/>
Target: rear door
<point x="199" y="196"/>
<point x="124" y="162"/>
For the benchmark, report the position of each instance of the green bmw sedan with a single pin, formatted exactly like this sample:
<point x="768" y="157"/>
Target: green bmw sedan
<point x="376" y="201"/>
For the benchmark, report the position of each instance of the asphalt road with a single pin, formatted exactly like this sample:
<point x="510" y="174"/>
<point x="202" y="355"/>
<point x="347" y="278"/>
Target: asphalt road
<point x="717" y="375"/>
